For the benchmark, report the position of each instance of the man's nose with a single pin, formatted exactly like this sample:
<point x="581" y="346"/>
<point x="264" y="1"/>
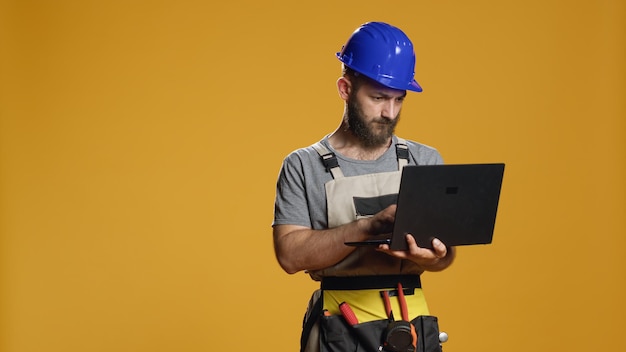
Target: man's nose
<point x="390" y="109"/>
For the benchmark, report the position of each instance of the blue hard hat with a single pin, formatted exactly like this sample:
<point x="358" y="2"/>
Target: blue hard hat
<point x="383" y="53"/>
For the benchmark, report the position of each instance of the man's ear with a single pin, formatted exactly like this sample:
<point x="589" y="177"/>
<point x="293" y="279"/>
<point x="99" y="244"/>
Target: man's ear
<point x="344" y="87"/>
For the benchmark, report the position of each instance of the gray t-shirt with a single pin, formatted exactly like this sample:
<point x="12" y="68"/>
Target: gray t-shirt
<point x="300" y="194"/>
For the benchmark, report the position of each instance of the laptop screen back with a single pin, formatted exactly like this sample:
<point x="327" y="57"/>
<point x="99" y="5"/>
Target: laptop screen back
<point x="454" y="203"/>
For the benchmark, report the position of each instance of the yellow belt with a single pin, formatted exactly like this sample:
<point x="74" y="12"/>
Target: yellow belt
<point x="368" y="304"/>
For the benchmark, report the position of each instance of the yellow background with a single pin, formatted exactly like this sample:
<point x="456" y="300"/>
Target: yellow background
<point x="140" y="143"/>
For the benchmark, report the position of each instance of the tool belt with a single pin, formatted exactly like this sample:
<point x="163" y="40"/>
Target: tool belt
<point x="370" y="282"/>
<point x="343" y="332"/>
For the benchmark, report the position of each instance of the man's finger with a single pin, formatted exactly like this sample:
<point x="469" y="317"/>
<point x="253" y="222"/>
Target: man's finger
<point x="439" y="248"/>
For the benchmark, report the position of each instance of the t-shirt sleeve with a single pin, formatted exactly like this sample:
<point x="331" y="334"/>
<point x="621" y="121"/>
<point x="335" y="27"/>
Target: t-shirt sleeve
<point x="291" y="205"/>
<point x="424" y="155"/>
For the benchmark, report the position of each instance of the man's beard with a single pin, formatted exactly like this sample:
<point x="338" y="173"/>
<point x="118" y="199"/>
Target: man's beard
<point x="377" y="133"/>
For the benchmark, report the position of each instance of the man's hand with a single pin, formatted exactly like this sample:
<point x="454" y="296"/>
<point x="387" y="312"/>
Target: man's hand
<point x="437" y="259"/>
<point x="382" y="222"/>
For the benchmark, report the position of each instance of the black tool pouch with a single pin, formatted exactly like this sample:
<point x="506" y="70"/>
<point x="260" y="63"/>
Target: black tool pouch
<point x="337" y="336"/>
<point x="427" y="329"/>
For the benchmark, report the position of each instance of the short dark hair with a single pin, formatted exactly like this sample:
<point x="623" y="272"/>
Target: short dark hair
<point x="357" y="79"/>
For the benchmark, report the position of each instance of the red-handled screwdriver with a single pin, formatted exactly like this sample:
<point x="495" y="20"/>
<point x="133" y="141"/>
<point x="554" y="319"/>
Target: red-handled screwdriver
<point x="348" y="314"/>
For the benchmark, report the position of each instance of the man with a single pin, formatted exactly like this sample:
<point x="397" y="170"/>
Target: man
<point x="338" y="190"/>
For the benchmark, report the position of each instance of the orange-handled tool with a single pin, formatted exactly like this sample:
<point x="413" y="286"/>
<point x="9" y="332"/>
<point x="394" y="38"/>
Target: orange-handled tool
<point x="348" y="314"/>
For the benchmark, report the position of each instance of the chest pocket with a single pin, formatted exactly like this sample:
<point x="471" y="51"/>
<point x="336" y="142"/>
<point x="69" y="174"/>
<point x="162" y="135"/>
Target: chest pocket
<point x="368" y="206"/>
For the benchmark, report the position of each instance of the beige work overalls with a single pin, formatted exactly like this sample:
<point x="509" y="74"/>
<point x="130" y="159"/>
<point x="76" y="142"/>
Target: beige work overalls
<point x="364" y="261"/>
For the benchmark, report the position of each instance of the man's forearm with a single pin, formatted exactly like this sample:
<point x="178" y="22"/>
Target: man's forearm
<point x="300" y="248"/>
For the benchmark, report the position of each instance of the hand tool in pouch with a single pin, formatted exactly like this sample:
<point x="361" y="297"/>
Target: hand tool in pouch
<point x="348" y="314"/>
<point x="400" y="335"/>
<point x="365" y="339"/>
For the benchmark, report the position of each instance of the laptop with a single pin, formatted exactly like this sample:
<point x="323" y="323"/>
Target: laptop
<point x="456" y="203"/>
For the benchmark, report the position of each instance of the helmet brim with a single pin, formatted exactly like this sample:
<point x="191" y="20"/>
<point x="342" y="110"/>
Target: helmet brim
<point x="415" y="87"/>
<point x="412" y="86"/>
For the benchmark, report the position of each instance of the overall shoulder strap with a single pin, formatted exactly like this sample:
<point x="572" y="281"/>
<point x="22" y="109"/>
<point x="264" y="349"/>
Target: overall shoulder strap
<point x="329" y="159"/>
<point x="402" y="152"/>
